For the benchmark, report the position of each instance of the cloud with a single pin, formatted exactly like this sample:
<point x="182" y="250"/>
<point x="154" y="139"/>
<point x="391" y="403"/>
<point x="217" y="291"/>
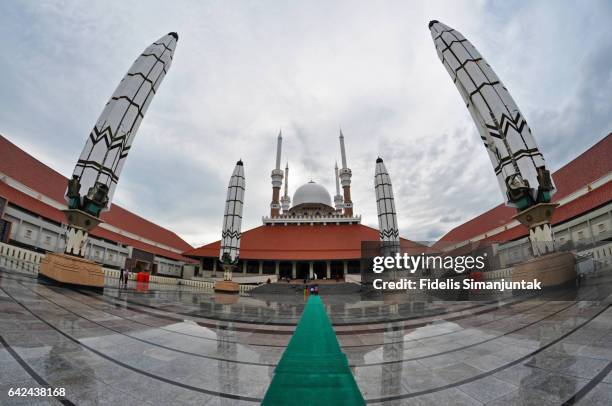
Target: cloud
<point x="243" y="70"/>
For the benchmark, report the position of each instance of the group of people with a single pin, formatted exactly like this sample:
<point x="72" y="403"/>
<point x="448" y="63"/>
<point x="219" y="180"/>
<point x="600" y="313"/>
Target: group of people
<point x="124" y="277"/>
<point x="311" y="289"/>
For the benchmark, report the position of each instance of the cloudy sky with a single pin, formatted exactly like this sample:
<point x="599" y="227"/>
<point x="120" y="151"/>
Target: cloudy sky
<point x="243" y="70"/>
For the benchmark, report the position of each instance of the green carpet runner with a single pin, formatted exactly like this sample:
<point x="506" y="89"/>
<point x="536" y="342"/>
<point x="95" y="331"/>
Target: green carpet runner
<point x="313" y="370"/>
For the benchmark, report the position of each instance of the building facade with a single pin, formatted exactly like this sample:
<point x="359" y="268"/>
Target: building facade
<point x="33" y="197"/>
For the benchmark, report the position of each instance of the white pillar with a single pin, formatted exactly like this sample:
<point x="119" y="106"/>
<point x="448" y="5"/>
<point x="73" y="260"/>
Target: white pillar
<point x="261" y="267"/>
<point x="16" y="234"/>
<point x="40" y="231"/>
<point x="244" y="266"/>
<point x="57" y="242"/>
<point x="311" y="270"/>
<point x="293" y="269"/>
<point x="345" y="268"/>
<point x="277" y="268"/>
<point x="214" y="270"/>
<point x="328" y="263"/>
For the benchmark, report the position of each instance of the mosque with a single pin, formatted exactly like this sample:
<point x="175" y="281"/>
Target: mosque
<point x="308" y="235"/>
<point x="316" y="234"/>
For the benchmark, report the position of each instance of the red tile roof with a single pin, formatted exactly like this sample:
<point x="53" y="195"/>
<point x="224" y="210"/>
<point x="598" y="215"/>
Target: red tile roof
<point x="303" y="242"/>
<point x="589" y="166"/>
<point x="27" y="170"/>
<point x="42" y="209"/>
<point x="34" y="205"/>
<point x="589" y="201"/>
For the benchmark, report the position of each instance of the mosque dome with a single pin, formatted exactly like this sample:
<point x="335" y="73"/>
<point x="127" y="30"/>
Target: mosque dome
<point x="311" y="193"/>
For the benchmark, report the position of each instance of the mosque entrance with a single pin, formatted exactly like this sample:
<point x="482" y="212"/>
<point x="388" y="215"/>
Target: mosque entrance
<point x="302" y="270"/>
<point x="320" y="269"/>
<point x="284" y="269"/>
<point x="337" y="269"/>
<point x="140" y="266"/>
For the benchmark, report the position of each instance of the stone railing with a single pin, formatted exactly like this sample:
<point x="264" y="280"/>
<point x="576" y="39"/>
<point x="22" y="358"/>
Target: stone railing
<point x="497" y="274"/>
<point x="19" y="259"/>
<point x="111" y="273"/>
<point x="210" y="285"/>
<point x="246" y="288"/>
<point x="161" y="279"/>
<point x="195" y="283"/>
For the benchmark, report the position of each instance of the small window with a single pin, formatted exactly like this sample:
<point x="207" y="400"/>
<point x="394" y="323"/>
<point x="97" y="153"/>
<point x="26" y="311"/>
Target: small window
<point x="28" y="234"/>
<point x="48" y="239"/>
<point x="580" y="235"/>
<point x="601" y="227"/>
<point x="97" y="253"/>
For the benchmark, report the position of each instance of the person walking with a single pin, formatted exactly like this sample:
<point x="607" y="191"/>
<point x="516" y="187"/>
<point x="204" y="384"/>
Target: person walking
<point x="121" y="277"/>
<point x="126" y="277"/>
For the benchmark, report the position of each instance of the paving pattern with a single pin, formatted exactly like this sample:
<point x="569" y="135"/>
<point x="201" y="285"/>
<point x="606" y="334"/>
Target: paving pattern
<point x="177" y="345"/>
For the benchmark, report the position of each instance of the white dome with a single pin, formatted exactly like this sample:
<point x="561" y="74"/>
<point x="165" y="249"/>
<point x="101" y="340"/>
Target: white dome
<point x="311" y="193"/>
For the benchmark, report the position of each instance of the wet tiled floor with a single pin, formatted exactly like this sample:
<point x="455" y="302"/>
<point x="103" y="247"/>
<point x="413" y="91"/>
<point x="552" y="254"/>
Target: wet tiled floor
<point x="177" y="345"/>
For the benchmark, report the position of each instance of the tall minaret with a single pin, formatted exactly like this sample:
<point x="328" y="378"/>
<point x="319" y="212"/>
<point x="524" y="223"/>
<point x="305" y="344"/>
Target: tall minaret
<point x="95" y="176"/>
<point x="338" y="200"/>
<point x="277" y="179"/>
<point x="385" y="206"/>
<point x="521" y="171"/>
<point x="232" y="221"/>
<point x="345" y="177"/>
<point x="286" y="200"/>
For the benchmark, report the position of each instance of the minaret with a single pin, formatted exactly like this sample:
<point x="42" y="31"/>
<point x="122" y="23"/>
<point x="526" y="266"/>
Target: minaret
<point x="277" y="179"/>
<point x="385" y="206"/>
<point x="232" y="221"/>
<point x="286" y="200"/>
<point x="345" y="178"/>
<point x="338" y="200"/>
<point x="95" y="176"/>
<point x="517" y="161"/>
